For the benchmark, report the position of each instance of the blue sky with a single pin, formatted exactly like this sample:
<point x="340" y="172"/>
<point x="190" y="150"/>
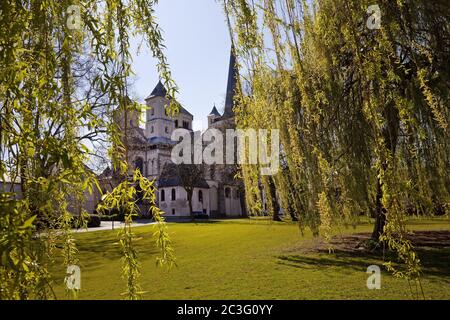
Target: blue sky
<point x="197" y="48"/>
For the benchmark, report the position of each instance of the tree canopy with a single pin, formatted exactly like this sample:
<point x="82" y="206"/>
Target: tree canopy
<point x="64" y="75"/>
<point x="361" y="101"/>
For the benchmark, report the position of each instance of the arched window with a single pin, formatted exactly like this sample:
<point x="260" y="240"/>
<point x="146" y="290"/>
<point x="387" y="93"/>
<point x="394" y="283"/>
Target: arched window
<point x="167" y="130"/>
<point x="163" y="195"/>
<point x="152" y="130"/>
<point x="174" y="195"/>
<point x="200" y="196"/>
<point x="227" y="192"/>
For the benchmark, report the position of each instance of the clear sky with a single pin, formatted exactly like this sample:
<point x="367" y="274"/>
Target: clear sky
<point x="198" y="50"/>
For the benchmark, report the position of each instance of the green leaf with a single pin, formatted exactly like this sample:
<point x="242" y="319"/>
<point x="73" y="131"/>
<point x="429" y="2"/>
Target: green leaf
<point x="30" y="151"/>
<point x="27" y="224"/>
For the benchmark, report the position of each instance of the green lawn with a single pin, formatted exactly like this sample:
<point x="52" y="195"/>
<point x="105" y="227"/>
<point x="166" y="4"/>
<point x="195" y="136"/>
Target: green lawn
<point x="248" y="259"/>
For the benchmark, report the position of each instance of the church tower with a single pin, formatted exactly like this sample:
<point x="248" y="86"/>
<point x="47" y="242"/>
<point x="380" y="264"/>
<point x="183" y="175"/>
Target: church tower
<point x="158" y="124"/>
<point x="233" y="75"/>
<point x="226" y="192"/>
<point x="213" y="115"/>
<point x="226" y="120"/>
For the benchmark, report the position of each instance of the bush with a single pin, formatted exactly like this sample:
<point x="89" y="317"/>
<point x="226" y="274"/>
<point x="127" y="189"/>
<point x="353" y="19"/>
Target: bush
<point x="112" y="215"/>
<point x="94" y="221"/>
<point x="200" y="215"/>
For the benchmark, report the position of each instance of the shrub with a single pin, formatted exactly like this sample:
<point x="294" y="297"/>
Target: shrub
<point x="94" y="221"/>
<point x="200" y="215"/>
<point x="112" y="215"/>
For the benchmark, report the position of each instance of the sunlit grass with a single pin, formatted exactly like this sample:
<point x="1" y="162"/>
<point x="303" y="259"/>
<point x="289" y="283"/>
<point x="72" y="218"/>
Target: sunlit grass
<point x="248" y="259"/>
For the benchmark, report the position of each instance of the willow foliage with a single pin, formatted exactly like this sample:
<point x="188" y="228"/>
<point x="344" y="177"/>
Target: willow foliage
<point x="362" y="112"/>
<point x="64" y="69"/>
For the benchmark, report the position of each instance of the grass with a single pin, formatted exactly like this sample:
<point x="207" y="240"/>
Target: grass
<point x="247" y="259"/>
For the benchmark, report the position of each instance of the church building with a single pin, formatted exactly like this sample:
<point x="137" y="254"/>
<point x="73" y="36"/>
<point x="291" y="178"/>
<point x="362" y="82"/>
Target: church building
<point x="217" y="193"/>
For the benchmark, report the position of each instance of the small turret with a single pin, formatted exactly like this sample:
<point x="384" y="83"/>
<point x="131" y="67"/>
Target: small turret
<point x="213" y="115"/>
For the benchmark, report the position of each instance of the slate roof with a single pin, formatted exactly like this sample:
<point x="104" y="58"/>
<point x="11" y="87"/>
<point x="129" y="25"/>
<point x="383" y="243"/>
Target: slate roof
<point x="232" y="83"/>
<point x="214" y="111"/>
<point x="161" y="140"/>
<point x="231" y="86"/>
<point x="160" y="91"/>
<point x="165" y="182"/>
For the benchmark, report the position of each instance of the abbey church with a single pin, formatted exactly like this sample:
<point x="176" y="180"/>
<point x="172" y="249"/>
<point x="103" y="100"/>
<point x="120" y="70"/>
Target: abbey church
<point x="217" y="193"/>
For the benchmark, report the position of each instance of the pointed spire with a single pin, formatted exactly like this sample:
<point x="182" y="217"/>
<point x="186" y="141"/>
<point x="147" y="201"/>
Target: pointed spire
<point x="159" y="91"/>
<point x="231" y="85"/>
<point x="214" y="111"/>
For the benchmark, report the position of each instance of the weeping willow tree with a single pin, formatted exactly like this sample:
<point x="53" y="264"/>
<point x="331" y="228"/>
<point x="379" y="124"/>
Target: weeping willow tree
<point x="362" y="110"/>
<point x="64" y="70"/>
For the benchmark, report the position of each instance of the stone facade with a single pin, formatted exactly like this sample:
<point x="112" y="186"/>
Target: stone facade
<point x="218" y="194"/>
<point x="229" y="190"/>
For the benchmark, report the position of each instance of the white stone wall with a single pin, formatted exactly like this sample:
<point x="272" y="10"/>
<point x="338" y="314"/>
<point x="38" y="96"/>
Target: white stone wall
<point x="213" y="195"/>
<point x="158" y="124"/>
<point x="232" y="202"/>
<point x="180" y="206"/>
<point x="153" y="161"/>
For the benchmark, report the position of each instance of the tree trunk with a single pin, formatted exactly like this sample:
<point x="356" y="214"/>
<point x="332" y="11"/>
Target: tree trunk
<point x="380" y="214"/>
<point x="290" y="208"/>
<point x="292" y="213"/>
<point x="275" y="204"/>
<point x="242" y="201"/>
<point x="191" y="211"/>
<point x="390" y="137"/>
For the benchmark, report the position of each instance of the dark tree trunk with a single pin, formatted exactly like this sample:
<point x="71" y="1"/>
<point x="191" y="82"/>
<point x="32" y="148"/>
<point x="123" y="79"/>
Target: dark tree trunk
<point x="390" y="137"/>
<point x="290" y="208"/>
<point x="189" y="196"/>
<point x="275" y="204"/>
<point x="380" y="214"/>
<point x="242" y="201"/>
<point x="292" y="213"/>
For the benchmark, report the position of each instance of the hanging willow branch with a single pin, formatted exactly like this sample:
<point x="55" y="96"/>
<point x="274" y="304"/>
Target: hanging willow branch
<point x="64" y="69"/>
<point x="362" y="112"/>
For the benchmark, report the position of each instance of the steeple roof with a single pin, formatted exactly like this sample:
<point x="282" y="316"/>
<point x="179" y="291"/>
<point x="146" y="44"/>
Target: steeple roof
<point x="214" y="111"/>
<point x="159" y="91"/>
<point x="231" y="85"/>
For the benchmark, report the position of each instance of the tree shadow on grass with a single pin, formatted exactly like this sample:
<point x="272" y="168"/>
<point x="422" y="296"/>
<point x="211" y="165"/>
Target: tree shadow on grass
<point x="189" y="220"/>
<point x="432" y="247"/>
<point x="321" y="260"/>
<point x="435" y="261"/>
<point x="96" y="251"/>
